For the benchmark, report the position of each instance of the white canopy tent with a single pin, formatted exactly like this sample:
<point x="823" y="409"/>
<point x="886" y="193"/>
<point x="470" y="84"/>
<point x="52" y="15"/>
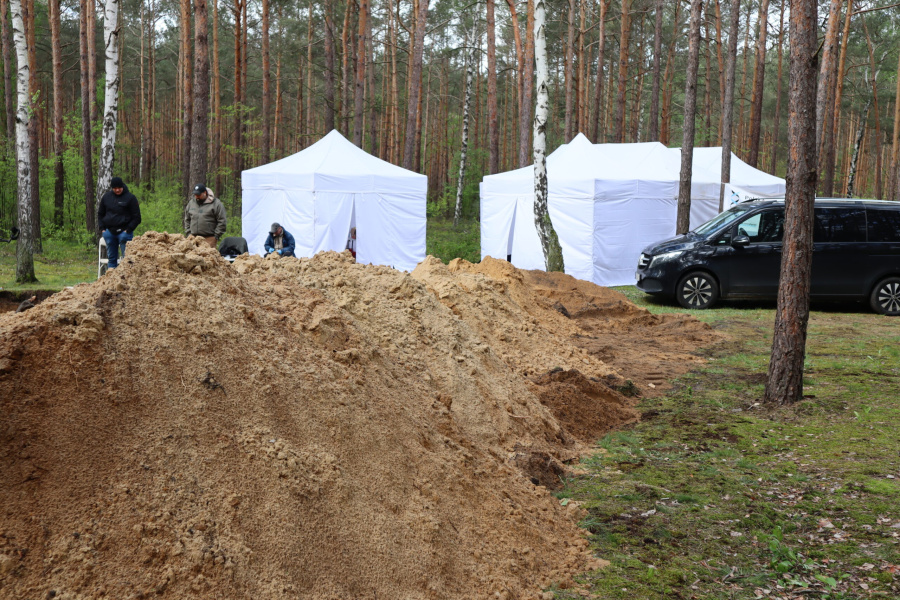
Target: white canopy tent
<point x="746" y="182"/>
<point x="319" y="193"/>
<point x="607" y="202"/>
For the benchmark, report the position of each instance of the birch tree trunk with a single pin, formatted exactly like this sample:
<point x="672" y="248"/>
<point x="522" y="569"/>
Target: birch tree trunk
<point x="683" y="219"/>
<point x="493" y="129"/>
<point x="409" y="145"/>
<point x="201" y="95"/>
<point x="111" y="99"/>
<point x="24" y="249"/>
<point x="59" y="171"/>
<point x="728" y="100"/>
<point x="553" y="257"/>
<point x="457" y="213"/>
<point x="784" y="384"/>
<point x="90" y="216"/>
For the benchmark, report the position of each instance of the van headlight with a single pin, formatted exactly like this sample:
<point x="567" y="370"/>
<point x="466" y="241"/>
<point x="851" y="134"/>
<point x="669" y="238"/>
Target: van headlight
<point x="665" y="256"/>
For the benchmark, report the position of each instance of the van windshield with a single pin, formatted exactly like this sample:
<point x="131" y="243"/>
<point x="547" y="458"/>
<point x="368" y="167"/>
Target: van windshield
<point x="729" y="216"/>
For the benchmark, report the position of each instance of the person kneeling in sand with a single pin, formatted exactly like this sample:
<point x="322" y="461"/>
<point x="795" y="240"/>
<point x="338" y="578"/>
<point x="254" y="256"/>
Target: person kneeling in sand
<point x="280" y="241"/>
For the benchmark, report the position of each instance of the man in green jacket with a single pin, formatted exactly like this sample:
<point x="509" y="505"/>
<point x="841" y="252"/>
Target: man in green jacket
<point x="204" y="215"/>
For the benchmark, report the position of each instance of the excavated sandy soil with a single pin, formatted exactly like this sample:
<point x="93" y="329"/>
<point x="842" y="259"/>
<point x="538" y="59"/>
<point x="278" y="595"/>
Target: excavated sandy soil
<point x="313" y="428"/>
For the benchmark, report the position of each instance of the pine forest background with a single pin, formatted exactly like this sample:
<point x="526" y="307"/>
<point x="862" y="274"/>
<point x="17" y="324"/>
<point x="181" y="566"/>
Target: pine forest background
<point x="280" y="72"/>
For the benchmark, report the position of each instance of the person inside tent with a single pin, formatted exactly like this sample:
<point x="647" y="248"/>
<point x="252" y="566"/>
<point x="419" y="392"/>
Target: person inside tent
<point x="280" y="241"/>
<point x="351" y="242"/>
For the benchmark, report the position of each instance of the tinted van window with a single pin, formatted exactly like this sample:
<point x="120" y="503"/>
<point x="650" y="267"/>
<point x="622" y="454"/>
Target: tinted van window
<point x="764" y="227"/>
<point x="845" y="224"/>
<point x="884" y="225"/>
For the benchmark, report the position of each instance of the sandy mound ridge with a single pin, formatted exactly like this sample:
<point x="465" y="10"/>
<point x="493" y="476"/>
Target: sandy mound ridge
<point x="308" y="428"/>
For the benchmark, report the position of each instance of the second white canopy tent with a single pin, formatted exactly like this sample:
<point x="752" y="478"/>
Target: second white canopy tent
<point x="607" y="202"/>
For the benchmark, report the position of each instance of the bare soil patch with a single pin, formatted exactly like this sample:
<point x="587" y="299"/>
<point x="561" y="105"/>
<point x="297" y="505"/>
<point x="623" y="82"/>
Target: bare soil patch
<point x="310" y="428"/>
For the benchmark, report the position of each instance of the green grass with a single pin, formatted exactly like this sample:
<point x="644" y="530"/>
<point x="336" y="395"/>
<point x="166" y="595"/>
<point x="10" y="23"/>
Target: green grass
<point x="447" y="242"/>
<point x="61" y="264"/>
<point x="714" y="496"/>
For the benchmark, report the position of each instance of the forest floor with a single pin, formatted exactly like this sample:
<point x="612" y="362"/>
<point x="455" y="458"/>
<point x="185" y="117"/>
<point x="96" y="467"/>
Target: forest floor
<point x="712" y="495"/>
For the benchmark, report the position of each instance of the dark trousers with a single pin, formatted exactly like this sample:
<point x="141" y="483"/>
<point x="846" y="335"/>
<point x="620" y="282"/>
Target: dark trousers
<point x="113" y="241"/>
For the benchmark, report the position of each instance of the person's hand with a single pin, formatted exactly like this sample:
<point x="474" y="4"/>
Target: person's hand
<point x="279" y="252"/>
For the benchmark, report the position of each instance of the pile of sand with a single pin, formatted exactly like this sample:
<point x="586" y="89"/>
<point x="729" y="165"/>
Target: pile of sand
<point x="308" y="428"/>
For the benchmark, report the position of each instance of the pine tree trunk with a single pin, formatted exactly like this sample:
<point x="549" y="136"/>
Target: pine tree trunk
<point x="829" y="167"/>
<point x="759" y="75"/>
<point x="654" y="94"/>
<point x="5" y="39"/>
<point x="520" y="54"/>
<point x="826" y="74"/>
<point x="683" y="219"/>
<point x="111" y="99"/>
<point x="309" y="79"/>
<point x="784" y="384"/>
<point x="329" y="68"/>
<point x="237" y="112"/>
<point x="895" y="147"/>
<point x="91" y="6"/>
<point x="741" y="132"/>
<point x="720" y="57"/>
<point x="24" y="248"/>
<point x="59" y="171"/>
<point x="570" y="72"/>
<point x="187" y="98"/>
<point x="90" y="217"/>
<point x="266" y="85"/>
<point x="359" y="92"/>
<point x="875" y="70"/>
<point x="728" y="101"/>
<point x="553" y="257"/>
<point x="493" y="129"/>
<point x="776" y="131"/>
<point x="457" y="213"/>
<point x="598" y="91"/>
<point x="374" y="148"/>
<point x="215" y="155"/>
<point x="525" y="112"/>
<point x="412" y="113"/>
<point x="198" y="169"/>
<point x="619" y="136"/>
<point x="344" y="110"/>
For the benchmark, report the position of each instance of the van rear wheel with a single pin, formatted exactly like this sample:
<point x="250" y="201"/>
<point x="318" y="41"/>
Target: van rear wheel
<point x="885" y="299"/>
<point x="697" y="290"/>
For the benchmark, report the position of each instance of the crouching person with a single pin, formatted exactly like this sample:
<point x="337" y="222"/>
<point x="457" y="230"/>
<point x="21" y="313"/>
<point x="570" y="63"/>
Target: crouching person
<point x="204" y="216"/>
<point x="118" y="215"/>
<point x="279" y="241"/>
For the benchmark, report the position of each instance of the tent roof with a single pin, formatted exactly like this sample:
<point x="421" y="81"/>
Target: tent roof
<point x="334" y="164"/>
<point x="574" y="168"/>
<point x="742" y="174"/>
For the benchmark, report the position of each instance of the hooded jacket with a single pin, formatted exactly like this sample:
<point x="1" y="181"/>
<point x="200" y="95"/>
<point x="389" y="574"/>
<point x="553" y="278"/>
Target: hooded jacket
<point x="205" y="218"/>
<point x="287" y="242"/>
<point x="119" y="213"/>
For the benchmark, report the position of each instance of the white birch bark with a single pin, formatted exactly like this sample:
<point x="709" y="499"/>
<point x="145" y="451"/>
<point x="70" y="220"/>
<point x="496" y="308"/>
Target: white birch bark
<point x="553" y="258"/>
<point x="25" y="244"/>
<point x="851" y="176"/>
<point x="111" y="100"/>
<point x="457" y="213"/>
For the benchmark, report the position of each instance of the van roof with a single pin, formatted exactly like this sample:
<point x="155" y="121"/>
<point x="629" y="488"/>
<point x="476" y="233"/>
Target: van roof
<point x="832" y="201"/>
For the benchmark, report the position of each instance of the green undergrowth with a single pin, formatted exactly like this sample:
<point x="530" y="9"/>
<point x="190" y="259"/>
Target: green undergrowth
<point x="713" y="495"/>
<point x="62" y="263"/>
<point x="447" y="242"/>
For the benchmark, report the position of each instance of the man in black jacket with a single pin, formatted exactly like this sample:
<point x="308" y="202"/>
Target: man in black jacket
<point x="118" y="216"/>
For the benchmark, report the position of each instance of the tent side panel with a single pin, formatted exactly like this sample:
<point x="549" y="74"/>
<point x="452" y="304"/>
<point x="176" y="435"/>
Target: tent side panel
<point x="623" y="227"/>
<point x="292" y="209"/>
<point x="331" y="220"/>
<point x="390" y="230"/>
<point x="497" y="215"/>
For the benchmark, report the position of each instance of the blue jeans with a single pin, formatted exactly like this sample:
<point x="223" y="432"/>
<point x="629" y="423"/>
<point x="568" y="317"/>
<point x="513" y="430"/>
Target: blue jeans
<point x="113" y="241"/>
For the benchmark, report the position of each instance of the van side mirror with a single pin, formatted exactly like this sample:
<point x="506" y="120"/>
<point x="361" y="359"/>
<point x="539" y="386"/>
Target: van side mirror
<point x="740" y="241"/>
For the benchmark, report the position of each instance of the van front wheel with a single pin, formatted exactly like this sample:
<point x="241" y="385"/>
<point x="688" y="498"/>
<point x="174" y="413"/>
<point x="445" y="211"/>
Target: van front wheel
<point x="697" y="290"/>
<point x="885" y="299"/>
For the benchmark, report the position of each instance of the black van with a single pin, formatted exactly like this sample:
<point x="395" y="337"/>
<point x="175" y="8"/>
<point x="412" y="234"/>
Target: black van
<point x="738" y="255"/>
